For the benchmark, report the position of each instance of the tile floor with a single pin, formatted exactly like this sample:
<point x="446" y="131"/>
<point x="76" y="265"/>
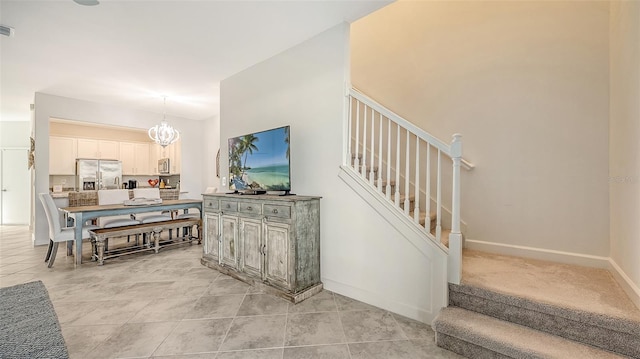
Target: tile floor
<point x="168" y="305"/>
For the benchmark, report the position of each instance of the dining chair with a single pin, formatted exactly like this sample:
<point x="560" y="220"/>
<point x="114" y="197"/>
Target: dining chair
<point x="114" y="196"/>
<point x="150" y="193"/>
<point x="57" y="231"/>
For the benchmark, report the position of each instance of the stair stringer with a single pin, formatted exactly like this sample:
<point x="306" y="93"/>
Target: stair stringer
<point x="435" y="253"/>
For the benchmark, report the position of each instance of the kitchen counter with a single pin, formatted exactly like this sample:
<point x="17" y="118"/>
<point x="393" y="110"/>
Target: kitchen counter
<point x="90" y="198"/>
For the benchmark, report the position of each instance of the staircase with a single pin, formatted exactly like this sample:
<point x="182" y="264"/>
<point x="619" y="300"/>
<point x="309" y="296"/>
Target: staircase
<point x="509" y="307"/>
<point x="405" y="168"/>
<point x="499" y="307"/>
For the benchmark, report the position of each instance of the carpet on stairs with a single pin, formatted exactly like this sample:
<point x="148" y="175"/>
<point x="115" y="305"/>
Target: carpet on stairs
<point x="579" y="304"/>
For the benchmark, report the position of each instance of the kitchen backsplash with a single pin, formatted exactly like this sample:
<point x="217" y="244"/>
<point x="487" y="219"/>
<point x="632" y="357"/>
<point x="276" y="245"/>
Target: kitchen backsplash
<point x="68" y="182"/>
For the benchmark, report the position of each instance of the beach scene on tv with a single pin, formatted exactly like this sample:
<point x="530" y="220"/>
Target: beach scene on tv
<point x="260" y="161"/>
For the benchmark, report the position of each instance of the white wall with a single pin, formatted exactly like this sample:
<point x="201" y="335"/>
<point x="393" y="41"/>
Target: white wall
<point x="624" y="141"/>
<point x="211" y="141"/>
<point x="47" y="106"/>
<point x="526" y="83"/>
<point x="362" y="256"/>
<point x="15" y="133"/>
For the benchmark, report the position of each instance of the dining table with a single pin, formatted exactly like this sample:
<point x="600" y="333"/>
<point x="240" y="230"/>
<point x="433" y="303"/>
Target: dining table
<point x="83" y="214"/>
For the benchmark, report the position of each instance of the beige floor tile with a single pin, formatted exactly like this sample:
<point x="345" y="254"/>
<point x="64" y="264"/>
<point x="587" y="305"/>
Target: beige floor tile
<point x="81" y="340"/>
<point x="219" y="306"/>
<point x="262" y="304"/>
<point x="225" y="285"/>
<point x="113" y="312"/>
<point x="252" y="354"/>
<point x="164" y="309"/>
<point x="414" y="329"/>
<point x="321" y="302"/>
<point x="134" y="340"/>
<point x="195" y="336"/>
<point x="255" y="333"/>
<point x="402" y="349"/>
<point x="366" y="326"/>
<point x="346" y="304"/>
<point x="318" y="352"/>
<point x="313" y="329"/>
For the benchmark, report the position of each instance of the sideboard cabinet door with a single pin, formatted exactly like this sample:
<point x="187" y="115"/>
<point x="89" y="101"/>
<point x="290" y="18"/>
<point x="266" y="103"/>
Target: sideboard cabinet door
<point x="212" y="236"/>
<point x="229" y="241"/>
<point x="252" y="247"/>
<point x="277" y="254"/>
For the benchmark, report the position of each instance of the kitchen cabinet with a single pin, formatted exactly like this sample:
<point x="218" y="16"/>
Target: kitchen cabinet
<point x="269" y="241"/>
<point x="100" y="149"/>
<point x="135" y="158"/>
<point x="62" y="155"/>
<point x="173" y="152"/>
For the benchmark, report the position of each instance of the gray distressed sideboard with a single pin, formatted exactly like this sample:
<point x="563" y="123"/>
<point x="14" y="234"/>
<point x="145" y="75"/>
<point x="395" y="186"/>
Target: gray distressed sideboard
<point x="269" y="241"/>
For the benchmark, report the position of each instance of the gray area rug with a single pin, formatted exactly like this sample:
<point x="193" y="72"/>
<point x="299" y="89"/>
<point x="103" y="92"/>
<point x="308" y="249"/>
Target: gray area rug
<point x="29" y="326"/>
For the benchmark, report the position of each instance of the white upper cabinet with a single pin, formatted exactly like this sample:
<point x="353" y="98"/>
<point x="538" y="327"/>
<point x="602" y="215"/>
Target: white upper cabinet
<point x="135" y="158"/>
<point x="173" y="153"/>
<point x="62" y="155"/>
<point x="102" y="149"/>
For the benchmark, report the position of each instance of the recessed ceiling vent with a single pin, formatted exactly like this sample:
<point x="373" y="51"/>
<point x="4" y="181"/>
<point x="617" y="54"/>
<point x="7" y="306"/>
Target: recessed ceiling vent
<point x="7" y="31"/>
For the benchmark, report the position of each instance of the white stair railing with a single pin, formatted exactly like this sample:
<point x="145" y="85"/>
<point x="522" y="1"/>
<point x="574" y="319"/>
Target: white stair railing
<point x="399" y="152"/>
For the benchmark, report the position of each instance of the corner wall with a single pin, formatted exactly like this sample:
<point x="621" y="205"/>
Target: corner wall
<point x="624" y="144"/>
<point x="362" y="255"/>
<point x="526" y="83"/>
<point x="47" y="106"/>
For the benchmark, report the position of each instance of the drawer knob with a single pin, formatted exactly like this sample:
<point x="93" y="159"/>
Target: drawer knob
<point x="228" y="206"/>
<point x="275" y="211"/>
<point x="210" y="204"/>
<point x="249" y="208"/>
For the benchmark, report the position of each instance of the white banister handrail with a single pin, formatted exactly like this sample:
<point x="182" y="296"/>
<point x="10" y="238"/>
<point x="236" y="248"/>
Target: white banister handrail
<point x="401" y="121"/>
<point x="444" y="147"/>
<point x="367" y="127"/>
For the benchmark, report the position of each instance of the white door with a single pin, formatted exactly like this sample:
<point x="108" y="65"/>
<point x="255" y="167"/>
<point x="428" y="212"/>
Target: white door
<point x="15" y="185"/>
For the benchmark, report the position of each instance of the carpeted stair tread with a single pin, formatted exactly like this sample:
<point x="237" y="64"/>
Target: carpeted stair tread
<point x="577" y="303"/>
<point x="605" y="332"/>
<point x="487" y="335"/>
<point x="588" y="293"/>
<point x="610" y="322"/>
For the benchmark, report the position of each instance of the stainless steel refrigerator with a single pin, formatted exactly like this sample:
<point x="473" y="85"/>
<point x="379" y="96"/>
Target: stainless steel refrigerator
<point x="94" y="174"/>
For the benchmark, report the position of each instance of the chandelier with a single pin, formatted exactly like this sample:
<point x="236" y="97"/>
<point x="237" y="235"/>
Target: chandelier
<point x="163" y="134"/>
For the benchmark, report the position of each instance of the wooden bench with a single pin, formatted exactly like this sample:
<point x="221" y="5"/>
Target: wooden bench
<point x="150" y="230"/>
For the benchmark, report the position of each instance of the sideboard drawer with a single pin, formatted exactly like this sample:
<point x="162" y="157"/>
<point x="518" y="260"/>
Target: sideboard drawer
<point x="211" y="204"/>
<point x="271" y="210"/>
<point x="229" y="206"/>
<point x="251" y="208"/>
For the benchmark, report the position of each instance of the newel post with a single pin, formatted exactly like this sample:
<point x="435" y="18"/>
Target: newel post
<point x="455" y="237"/>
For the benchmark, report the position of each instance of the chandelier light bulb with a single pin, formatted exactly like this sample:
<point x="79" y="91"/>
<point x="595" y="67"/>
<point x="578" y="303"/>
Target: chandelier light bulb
<point x="163" y="134"/>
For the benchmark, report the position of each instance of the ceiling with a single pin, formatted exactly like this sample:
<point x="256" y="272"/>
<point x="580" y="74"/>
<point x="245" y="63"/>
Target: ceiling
<point x="133" y="53"/>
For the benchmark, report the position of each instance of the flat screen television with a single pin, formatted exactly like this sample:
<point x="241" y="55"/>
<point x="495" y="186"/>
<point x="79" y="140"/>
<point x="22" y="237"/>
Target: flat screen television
<point x="259" y="162"/>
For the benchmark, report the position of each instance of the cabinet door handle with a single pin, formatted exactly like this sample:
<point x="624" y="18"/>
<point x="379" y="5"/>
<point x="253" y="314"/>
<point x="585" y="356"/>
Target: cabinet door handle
<point x="249" y="208"/>
<point x="264" y="249"/>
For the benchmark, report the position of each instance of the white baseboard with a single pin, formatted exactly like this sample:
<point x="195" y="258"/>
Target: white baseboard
<point x="625" y="282"/>
<point x="377" y="300"/>
<point x="586" y="260"/>
<point x="539" y="253"/>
